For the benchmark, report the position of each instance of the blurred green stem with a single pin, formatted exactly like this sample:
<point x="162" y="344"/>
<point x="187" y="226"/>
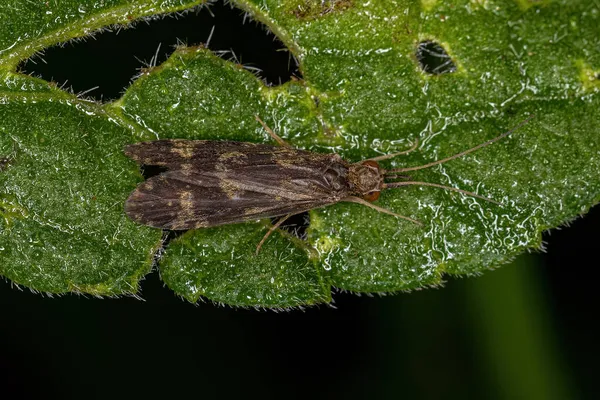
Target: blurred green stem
<point x="514" y="336"/>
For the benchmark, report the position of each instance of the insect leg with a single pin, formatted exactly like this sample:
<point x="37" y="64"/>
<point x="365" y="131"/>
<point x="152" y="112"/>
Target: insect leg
<point x="353" y="199"/>
<point x="271" y="133"/>
<point x="388" y="156"/>
<point x="275" y="226"/>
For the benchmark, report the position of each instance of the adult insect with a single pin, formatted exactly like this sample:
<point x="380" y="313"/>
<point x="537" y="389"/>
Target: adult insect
<point x="210" y="183"/>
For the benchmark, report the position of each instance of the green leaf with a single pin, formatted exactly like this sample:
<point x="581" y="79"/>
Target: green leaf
<point x="62" y="226"/>
<point x="363" y="93"/>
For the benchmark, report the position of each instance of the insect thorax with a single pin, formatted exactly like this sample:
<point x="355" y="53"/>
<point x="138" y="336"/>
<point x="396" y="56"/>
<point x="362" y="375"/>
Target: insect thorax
<point x="365" y="178"/>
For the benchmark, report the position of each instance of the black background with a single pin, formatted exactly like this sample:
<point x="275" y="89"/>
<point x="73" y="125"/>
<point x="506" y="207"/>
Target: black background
<point x="424" y="344"/>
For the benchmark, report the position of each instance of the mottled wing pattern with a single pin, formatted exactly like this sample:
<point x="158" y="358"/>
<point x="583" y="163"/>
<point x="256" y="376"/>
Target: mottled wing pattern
<point x="211" y="183"/>
<point x="179" y="153"/>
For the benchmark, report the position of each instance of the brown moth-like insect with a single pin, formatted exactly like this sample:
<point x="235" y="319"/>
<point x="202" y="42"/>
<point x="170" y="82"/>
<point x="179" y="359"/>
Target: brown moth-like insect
<point x="210" y="183"/>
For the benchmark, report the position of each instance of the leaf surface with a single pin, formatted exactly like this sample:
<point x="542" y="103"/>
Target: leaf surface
<point x="363" y="93"/>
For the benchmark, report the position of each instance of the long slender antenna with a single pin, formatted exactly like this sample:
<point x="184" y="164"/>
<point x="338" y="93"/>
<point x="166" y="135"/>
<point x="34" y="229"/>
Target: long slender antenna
<point x="399" y="170"/>
<point x="398" y="184"/>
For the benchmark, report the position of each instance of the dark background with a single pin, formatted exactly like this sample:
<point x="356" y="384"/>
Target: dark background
<point x="525" y="331"/>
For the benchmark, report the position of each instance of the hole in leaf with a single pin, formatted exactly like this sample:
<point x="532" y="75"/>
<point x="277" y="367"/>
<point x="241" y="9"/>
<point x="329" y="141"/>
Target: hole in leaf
<point x="102" y="66"/>
<point x="512" y="110"/>
<point x="148" y="171"/>
<point x="434" y="59"/>
<point x="4" y="161"/>
<point x="295" y="225"/>
<point x="168" y="236"/>
<point x="317" y="101"/>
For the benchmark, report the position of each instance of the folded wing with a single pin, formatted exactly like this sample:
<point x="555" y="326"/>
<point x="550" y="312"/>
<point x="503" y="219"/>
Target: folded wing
<point x="213" y="183"/>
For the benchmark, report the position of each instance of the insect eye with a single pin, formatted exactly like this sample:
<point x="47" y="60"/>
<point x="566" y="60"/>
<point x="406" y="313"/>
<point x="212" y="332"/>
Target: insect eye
<point x="372" y="196"/>
<point x="371" y="163"/>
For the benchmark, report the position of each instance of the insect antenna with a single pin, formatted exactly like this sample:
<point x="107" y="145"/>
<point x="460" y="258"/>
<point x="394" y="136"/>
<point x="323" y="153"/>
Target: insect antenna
<point x="461" y="154"/>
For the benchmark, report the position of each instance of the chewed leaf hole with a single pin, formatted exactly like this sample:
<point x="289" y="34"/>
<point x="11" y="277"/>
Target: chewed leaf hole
<point x="4" y="162"/>
<point x="6" y="159"/>
<point x="102" y="67"/>
<point x="434" y="59"/>
<point x="148" y="171"/>
<point x="295" y="225"/>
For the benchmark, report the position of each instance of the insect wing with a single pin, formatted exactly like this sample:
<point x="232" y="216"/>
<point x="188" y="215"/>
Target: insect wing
<point x="176" y="153"/>
<point x="229" y="182"/>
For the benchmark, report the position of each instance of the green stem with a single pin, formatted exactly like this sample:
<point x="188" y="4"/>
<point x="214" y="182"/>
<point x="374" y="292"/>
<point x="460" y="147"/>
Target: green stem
<point x="513" y="331"/>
